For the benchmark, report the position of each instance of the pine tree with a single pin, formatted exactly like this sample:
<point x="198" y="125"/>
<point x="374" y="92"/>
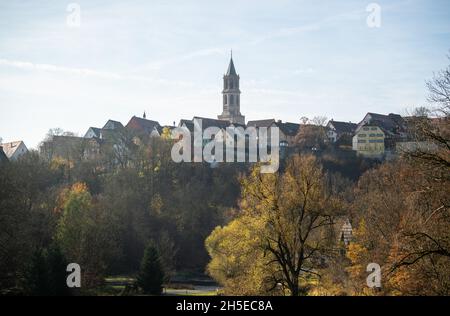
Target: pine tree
<point x="151" y="274"/>
<point x="57" y="264"/>
<point x="36" y="275"/>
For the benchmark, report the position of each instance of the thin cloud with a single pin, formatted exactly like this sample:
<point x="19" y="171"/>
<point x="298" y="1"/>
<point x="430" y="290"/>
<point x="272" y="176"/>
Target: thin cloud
<point x="311" y="27"/>
<point x="25" y="65"/>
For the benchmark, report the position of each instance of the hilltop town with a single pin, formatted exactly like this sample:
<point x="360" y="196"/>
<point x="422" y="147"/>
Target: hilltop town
<point x="377" y="136"/>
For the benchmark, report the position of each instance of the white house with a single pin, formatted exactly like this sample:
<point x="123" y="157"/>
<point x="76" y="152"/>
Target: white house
<point x="14" y="150"/>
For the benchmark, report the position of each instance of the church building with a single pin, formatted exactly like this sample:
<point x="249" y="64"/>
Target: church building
<point x="231" y="97"/>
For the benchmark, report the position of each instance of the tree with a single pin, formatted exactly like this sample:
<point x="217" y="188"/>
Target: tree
<point x="311" y="136"/>
<point x="238" y="261"/>
<point x="36" y="278"/>
<point x="293" y="215"/>
<point x="319" y="120"/>
<point x="86" y="233"/>
<point x="151" y="275"/>
<point x="403" y="229"/>
<point x="57" y="273"/>
<point x="46" y="273"/>
<point x="27" y="200"/>
<point x="425" y="240"/>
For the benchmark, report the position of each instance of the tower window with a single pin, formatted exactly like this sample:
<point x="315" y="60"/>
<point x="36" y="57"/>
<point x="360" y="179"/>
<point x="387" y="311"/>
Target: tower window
<point x="231" y="99"/>
<point x="224" y="99"/>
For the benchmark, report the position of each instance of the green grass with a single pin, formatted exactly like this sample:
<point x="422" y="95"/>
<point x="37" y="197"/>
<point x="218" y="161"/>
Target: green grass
<point x="206" y="293"/>
<point x="125" y="279"/>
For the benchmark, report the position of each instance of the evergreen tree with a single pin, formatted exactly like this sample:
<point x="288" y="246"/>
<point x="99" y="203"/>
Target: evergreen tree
<point x="151" y="274"/>
<point x="57" y="264"/>
<point x="36" y="275"/>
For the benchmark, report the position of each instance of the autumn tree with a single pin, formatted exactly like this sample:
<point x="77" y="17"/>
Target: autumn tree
<point x="84" y="233"/>
<point x="396" y="228"/>
<point x="294" y="214"/>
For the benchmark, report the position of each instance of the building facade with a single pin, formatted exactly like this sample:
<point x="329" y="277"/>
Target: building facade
<point x="369" y="141"/>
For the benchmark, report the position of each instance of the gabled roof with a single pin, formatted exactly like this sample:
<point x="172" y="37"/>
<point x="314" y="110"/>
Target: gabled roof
<point x="261" y="123"/>
<point x="342" y="127"/>
<point x="111" y="124"/>
<point x="97" y="131"/>
<point x="391" y="123"/>
<point x="141" y="124"/>
<point x="288" y="128"/>
<point x="209" y="122"/>
<point x="10" y="148"/>
<point x="187" y="123"/>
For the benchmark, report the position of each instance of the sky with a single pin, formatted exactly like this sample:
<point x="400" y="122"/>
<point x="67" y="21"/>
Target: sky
<point x="167" y="58"/>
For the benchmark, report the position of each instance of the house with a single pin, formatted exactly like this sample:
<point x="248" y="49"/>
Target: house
<point x="337" y="130"/>
<point x="377" y="134"/>
<point x="187" y="124"/>
<point x="369" y="141"/>
<point x="93" y="132"/>
<point x="14" y="150"/>
<point x="112" y="125"/>
<point x="143" y="126"/>
<point x="287" y="130"/>
<point x="393" y="126"/>
<point x="346" y="232"/>
<point x="3" y="157"/>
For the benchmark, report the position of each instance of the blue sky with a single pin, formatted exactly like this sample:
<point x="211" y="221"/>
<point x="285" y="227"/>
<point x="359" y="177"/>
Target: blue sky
<point x="295" y="58"/>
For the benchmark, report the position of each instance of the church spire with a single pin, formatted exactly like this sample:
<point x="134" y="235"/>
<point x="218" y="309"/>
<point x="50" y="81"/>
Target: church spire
<point x="231" y="96"/>
<point x="231" y="70"/>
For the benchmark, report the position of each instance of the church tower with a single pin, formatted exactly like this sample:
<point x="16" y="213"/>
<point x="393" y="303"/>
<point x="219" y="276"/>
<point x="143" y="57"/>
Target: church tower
<point x="231" y="96"/>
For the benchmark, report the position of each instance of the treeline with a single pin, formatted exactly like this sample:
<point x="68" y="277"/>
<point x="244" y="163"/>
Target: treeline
<point x="102" y="214"/>
<point x="101" y="211"/>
